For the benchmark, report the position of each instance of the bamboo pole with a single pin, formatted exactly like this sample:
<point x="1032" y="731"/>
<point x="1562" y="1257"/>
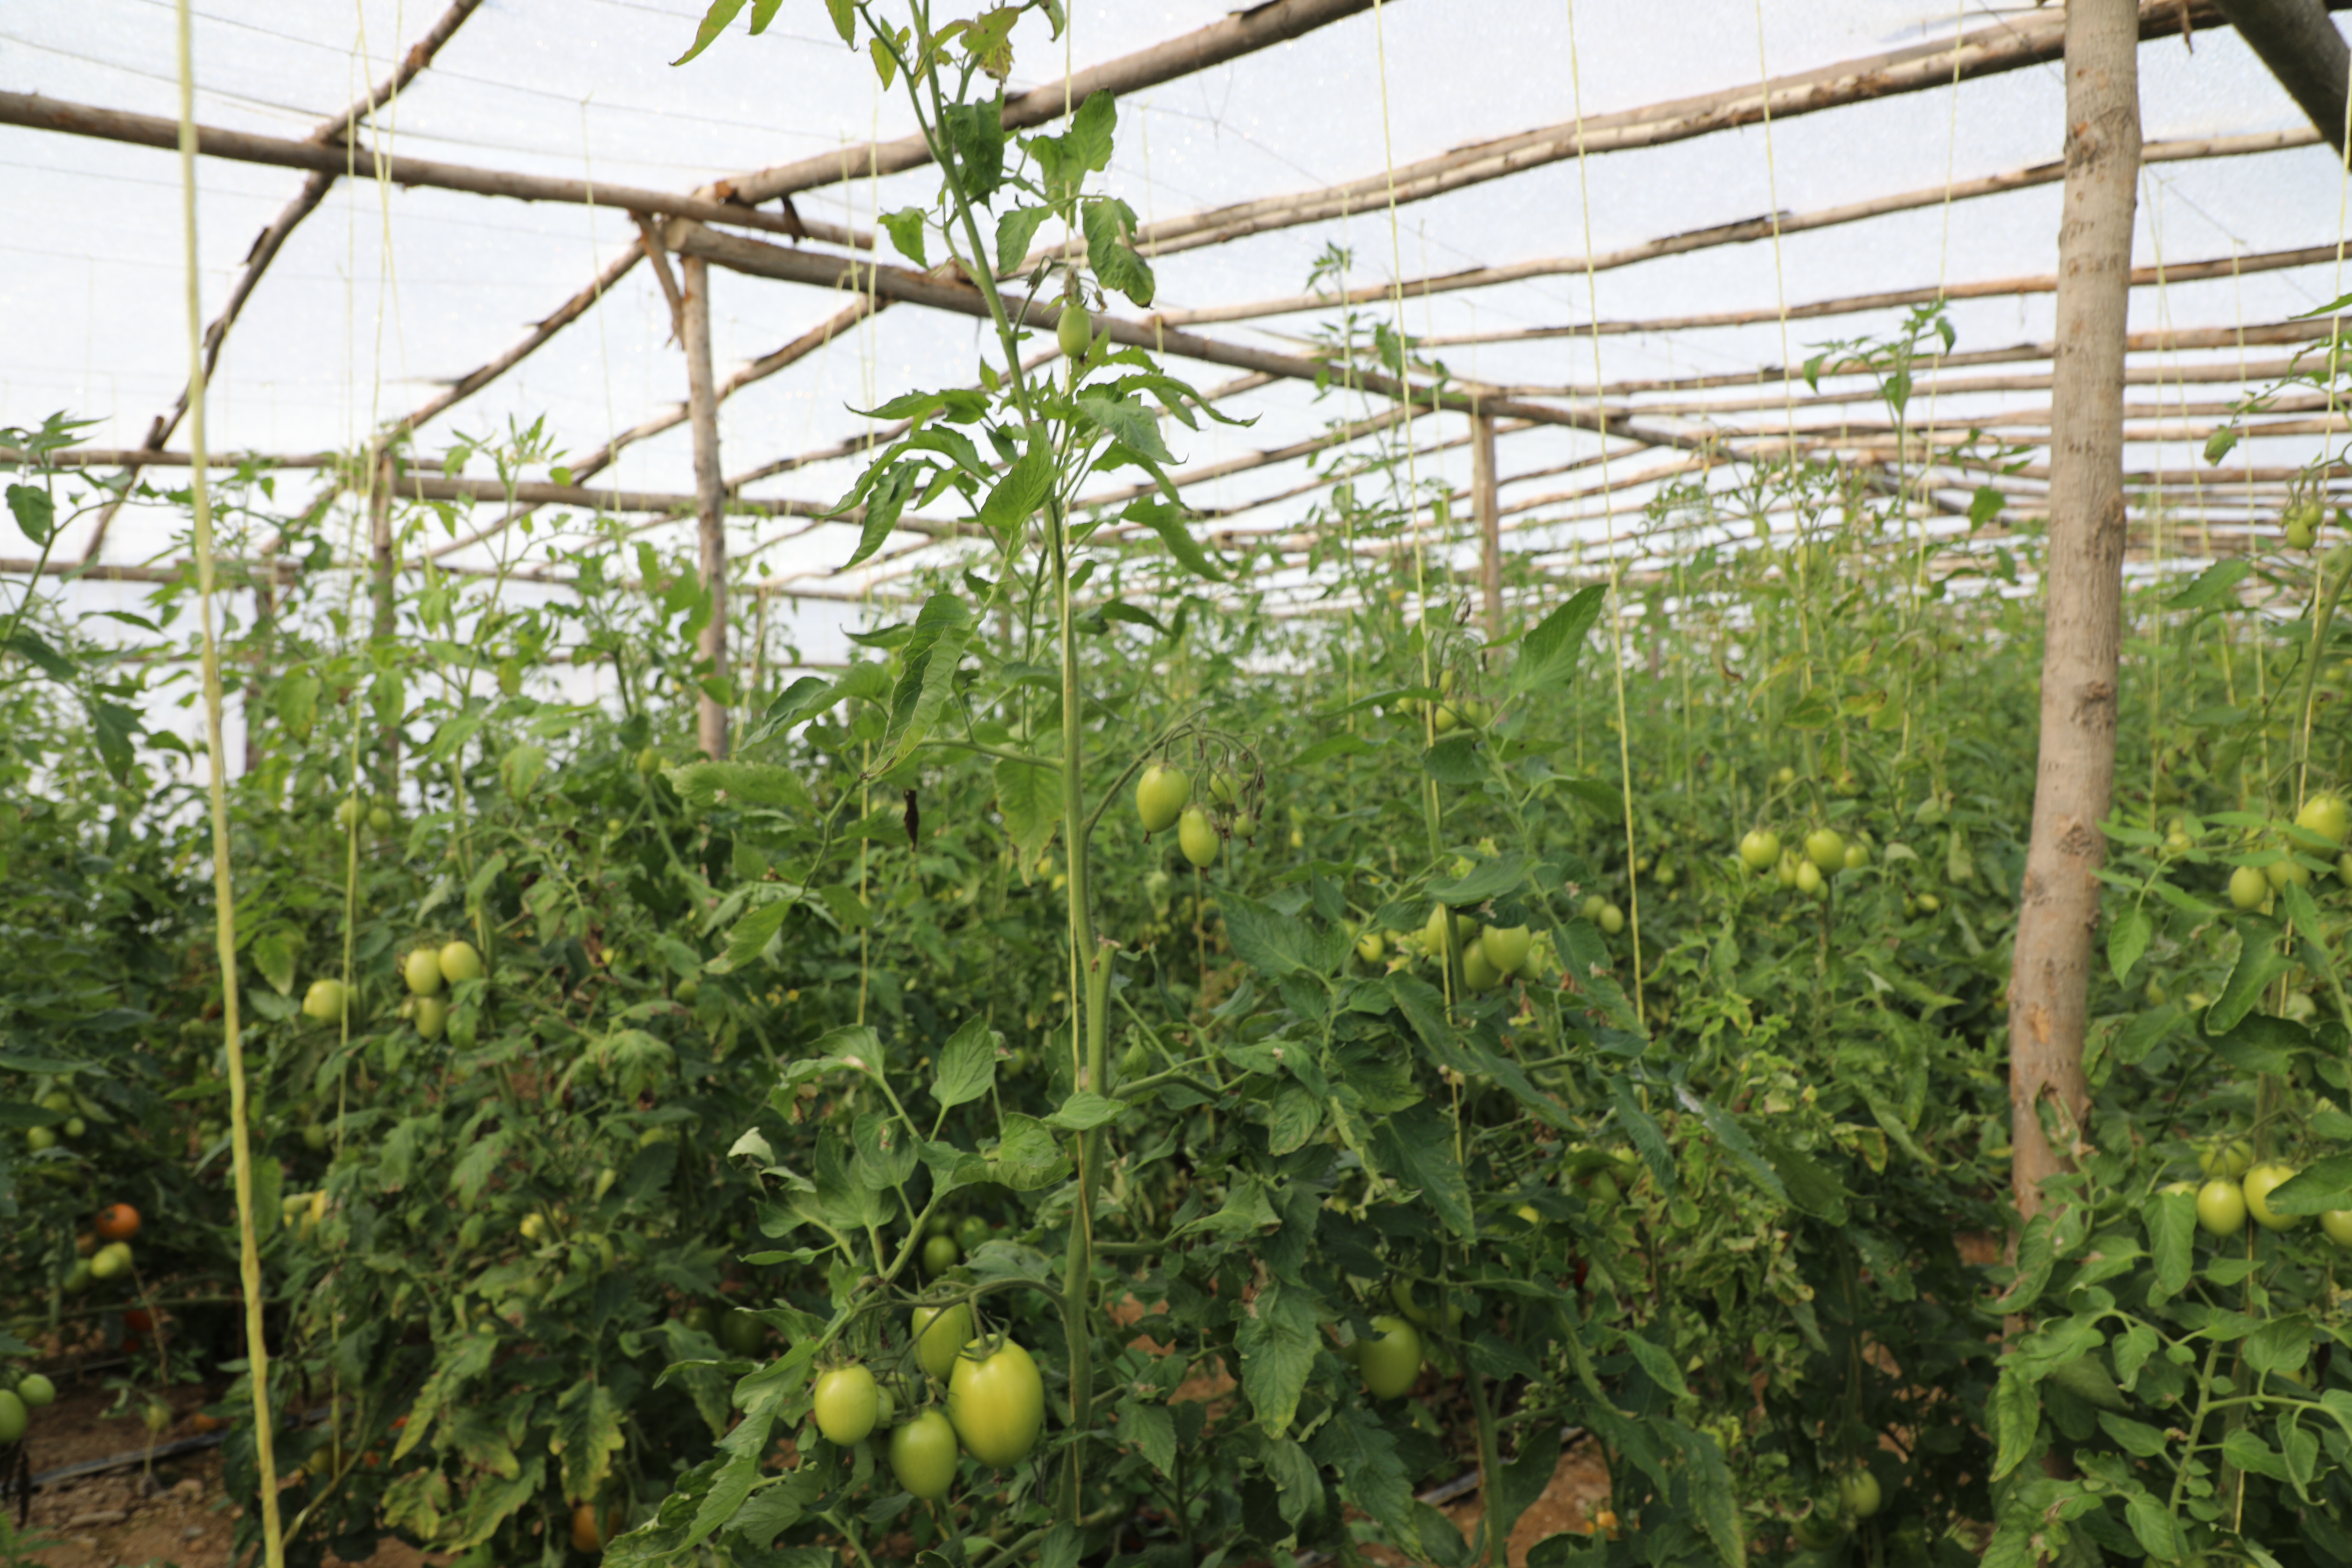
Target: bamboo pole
<point x="710" y="502"/>
<point x="760" y="259"/>
<point x="256" y="1343"/>
<point x="2011" y="43"/>
<point x="1745" y="231"/>
<point x="2171" y="340"/>
<point x="41" y="113"/>
<point x="1245" y="32"/>
<point x="2059" y="907"/>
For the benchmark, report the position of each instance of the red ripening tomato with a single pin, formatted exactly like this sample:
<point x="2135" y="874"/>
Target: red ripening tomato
<point x="139" y="1319"/>
<point x="118" y="1222"/>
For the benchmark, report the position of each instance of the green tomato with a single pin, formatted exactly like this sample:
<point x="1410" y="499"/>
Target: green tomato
<point x="1405" y="1296"/>
<point x="350" y="813"/>
<point x="1196" y="835"/>
<point x="742" y="1333"/>
<point x="1857" y="856"/>
<point x="37" y="1391"/>
<point x="459" y="961"/>
<point x="1819" y="1528"/>
<point x="1506" y="947"/>
<point x="324" y="1000"/>
<point x="379" y="819"/>
<point x="421" y="970"/>
<point x="972" y="1234"/>
<point x="111" y="1262"/>
<point x="939" y="1335"/>
<point x="996" y="1402"/>
<point x="2326" y="815"/>
<point x="847" y="1404"/>
<point x="13" y="1417"/>
<point x="315" y="1137"/>
<point x="1371" y="948"/>
<point x="2222" y="1208"/>
<point x="700" y="1320"/>
<point x="1809" y="880"/>
<point x="1612" y="919"/>
<point x="2338" y="1224"/>
<point x="2225" y="1159"/>
<point x="1477" y="971"/>
<point x="923" y="1455"/>
<point x="39" y="1138"/>
<point x="1160" y="795"/>
<point x="2249" y="887"/>
<point x="2303" y="521"/>
<point x="2282" y="871"/>
<point x="1074" y="332"/>
<point x="432" y="1016"/>
<point x="1760" y="849"/>
<point x="1858" y="1494"/>
<point x="941" y="1254"/>
<point x="1825" y="847"/>
<point x="2259" y="1182"/>
<point x="1390" y="1361"/>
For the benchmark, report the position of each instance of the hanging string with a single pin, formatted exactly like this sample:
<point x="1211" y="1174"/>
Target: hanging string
<point x="1609" y="522"/>
<point x="223" y="891"/>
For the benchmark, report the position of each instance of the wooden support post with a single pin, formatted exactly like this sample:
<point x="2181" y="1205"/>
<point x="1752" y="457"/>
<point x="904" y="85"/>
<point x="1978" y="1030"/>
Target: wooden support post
<point x="382" y="566"/>
<point x="1490" y="526"/>
<point x="2082" y="591"/>
<point x="709" y="497"/>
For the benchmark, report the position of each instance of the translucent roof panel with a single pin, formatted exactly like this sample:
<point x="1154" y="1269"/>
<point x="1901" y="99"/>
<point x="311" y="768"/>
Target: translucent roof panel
<point x="386" y="294"/>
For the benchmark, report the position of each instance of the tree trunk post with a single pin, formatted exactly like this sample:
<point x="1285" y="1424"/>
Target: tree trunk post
<point x="1490" y="525"/>
<point x="709" y="498"/>
<point x="2083" y="593"/>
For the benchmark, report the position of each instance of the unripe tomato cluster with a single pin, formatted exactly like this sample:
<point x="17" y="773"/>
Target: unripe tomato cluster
<point x="1163" y="798"/>
<point x="2235" y="1188"/>
<point x="994" y="1408"/>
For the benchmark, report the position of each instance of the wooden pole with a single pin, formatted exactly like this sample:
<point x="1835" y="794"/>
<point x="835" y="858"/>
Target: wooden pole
<point x="2305" y="51"/>
<point x="1892" y="300"/>
<point x="41" y="113"/>
<point x="1744" y="231"/>
<point x="2012" y="43"/>
<point x="2049" y="994"/>
<point x="710" y="499"/>
<point x="1490" y="535"/>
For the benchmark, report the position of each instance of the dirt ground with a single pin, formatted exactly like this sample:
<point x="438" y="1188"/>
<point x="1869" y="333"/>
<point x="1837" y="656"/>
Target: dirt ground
<point x="167" y="1515"/>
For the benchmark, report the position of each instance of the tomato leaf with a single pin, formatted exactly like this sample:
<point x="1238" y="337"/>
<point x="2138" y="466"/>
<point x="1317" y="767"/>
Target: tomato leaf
<point x="1167" y="521"/>
<point x="1488" y="879"/>
<point x="1014" y="230"/>
<point x="1084" y="1111"/>
<point x="2322" y="1186"/>
<point x="967" y="1069"/>
<point x="587" y="1430"/>
<point x="2127" y="937"/>
<point x="942" y="630"/>
<point x="1110" y="225"/>
<point x="1029" y="798"/>
<point x="1278" y="1340"/>
<point x="714" y="22"/>
<point x="2259" y="962"/>
<point x="1548" y="653"/>
<point x="2216" y="585"/>
<point x="1417" y="1146"/>
<point x="1023" y="490"/>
